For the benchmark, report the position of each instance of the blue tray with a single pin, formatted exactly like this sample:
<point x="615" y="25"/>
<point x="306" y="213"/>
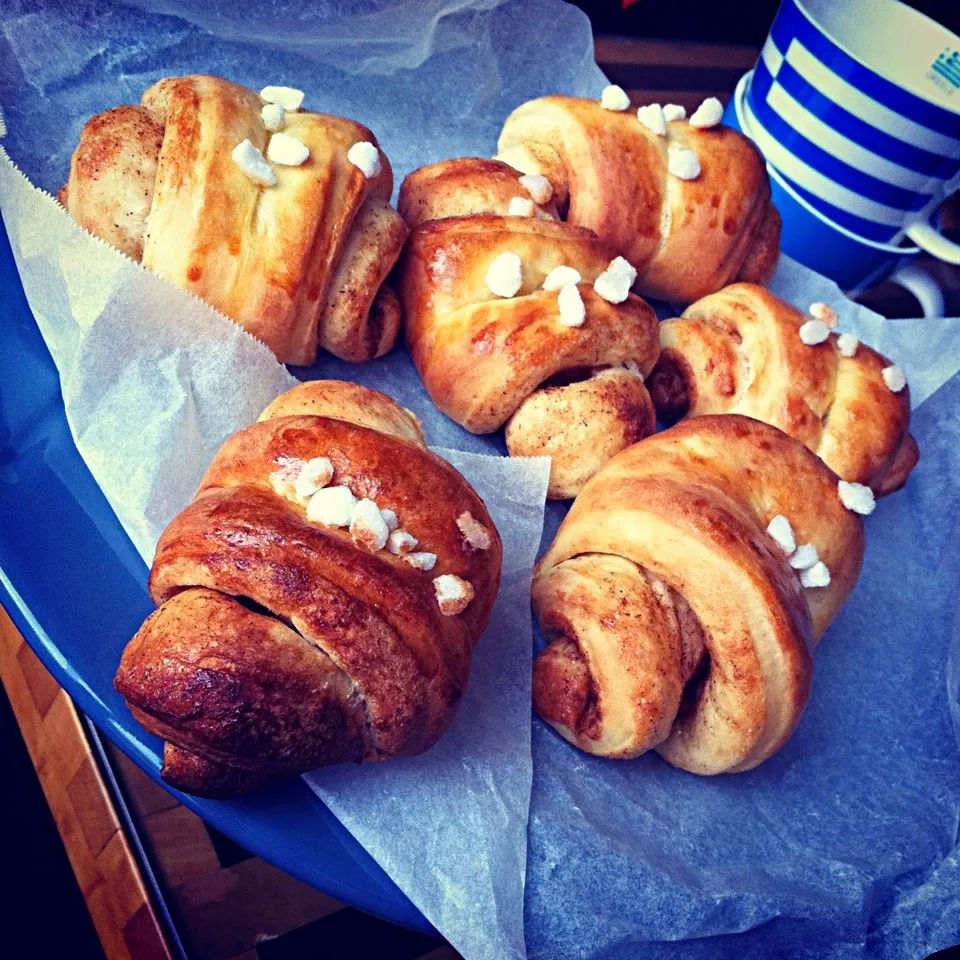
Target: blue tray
<point x="76" y="589"/>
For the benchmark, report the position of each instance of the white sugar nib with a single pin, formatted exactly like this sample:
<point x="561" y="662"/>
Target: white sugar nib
<point x="708" y="114"/>
<point x="847" y="344"/>
<point x="273" y="116"/>
<point x="287" y="151"/>
<point x="332" y="506"/>
<point x="614" y="98"/>
<point x="816" y="576"/>
<point x="856" y="497"/>
<point x="782" y="533"/>
<point x="250" y="160"/>
<point x="314" y="476"/>
<point x="895" y="378"/>
<point x="453" y="594"/>
<point x="573" y="312"/>
<point x="520" y="207"/>
<point x="538" y="186"/>
<point x="683" y="163"/>
<point x="559" y="277"/>
<point x="804" y="557"/>
<point x="288" y="97"/>
<point x="825" y="313"/>
<point x="505" y="275"/>
<point x="614" y="284"/>
<point x="367" y="526"/>
<point x="813" y="332"/>
<point x="366" y="158"/>
<point x="651" y="116"/>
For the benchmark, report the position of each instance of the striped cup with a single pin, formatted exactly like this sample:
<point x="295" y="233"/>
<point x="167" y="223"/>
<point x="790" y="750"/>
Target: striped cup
<point x="857" y="105"/>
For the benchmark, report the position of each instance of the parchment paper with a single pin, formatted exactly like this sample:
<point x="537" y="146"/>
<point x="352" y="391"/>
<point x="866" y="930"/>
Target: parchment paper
<point x="844" y="844"/>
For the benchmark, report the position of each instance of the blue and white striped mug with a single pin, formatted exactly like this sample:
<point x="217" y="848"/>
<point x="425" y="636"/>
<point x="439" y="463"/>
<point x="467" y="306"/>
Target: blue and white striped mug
<point x="857" y="104"/>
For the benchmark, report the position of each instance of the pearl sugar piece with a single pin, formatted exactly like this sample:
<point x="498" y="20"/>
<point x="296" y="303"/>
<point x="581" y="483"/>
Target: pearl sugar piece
<point x="367" y="526"/>
<point x="894" y="378"/>
<point x="474" y="532"/>
<point x="539" y="187"/>
<point x="505" y="275"/>
<point x="614" y="284"/>
<point x="614" y="98"/>
<point x="453" y="594"/>
<point x="288" y="97"/>
<point x="400" y="543"/>
<point x="782" y="533"/>
<point x="572" y="309"/>
<point x="561" y="276"/>
<point x="708" y="114"/>
<point x="816" y="576"/>
<point x="286" y="151"/>
<point x="821" y="311"/>
<point x="273" y="116"/>
<point x="520" y="207"/>
<point x="651" y="116"/>
<point x="683" y="163"/>
<point x="804" y="557"/>
<point x="332" y="506"/>
<point x="314" y="476"/>
<point x="250" y="160"/>
<point x="856" y="497"/>
<point x="366" y="158"/>
<point x="847" y="344"/>
<point x="813" y="332"/>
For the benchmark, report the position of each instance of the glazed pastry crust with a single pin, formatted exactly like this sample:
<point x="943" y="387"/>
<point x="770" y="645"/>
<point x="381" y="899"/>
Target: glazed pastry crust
<point x="463" y="188"/>
<point x="675" y="621"/>
<point x="686" y="238"/>
<point x="481" y="355"/>
<point x="581" y="425"/>
<point x="349" y="402"/>
<point x="739" y="351"/>
<point x="295" y="264"/>
<point x="483" y="358"/>
<point x="280" y="644"/>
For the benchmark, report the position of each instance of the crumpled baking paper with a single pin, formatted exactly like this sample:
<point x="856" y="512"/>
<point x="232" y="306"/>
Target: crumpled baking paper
<point x="465" y="865"/>
<point x="843" y="845"/>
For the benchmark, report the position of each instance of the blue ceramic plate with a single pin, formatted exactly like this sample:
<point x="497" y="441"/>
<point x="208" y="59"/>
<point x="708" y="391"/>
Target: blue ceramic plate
<point x="76" y="589"/>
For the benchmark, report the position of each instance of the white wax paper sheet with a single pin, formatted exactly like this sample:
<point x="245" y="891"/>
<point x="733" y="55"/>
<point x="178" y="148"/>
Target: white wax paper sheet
<point x="456" y="865"/>
<point x="843" y="845"/>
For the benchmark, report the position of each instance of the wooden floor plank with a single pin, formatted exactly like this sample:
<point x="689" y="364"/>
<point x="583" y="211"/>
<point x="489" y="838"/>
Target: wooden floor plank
<point x="180" y="846"/>
<point x="99" y="851"/>
<point x="231" y="910"/>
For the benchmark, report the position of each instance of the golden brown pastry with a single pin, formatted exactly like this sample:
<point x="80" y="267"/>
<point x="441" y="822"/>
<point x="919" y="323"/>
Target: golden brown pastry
<point x="741" y="351"/>
<point x="319" y="600"/>
<point x="561" y="367"/>
<point x="297" y="263"/>
<point x="674" y="614"/>
<point x="611" y="173"/>
<point x="463" y="188"/>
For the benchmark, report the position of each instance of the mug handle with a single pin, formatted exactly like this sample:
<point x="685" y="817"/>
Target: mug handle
<point x="926" y="236"/>
<point x="924" y="288"/>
